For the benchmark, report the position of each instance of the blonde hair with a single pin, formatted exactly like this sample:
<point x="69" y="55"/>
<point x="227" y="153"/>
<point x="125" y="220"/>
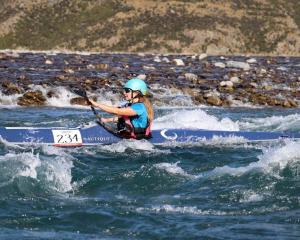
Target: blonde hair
<point x="149" y="108"/>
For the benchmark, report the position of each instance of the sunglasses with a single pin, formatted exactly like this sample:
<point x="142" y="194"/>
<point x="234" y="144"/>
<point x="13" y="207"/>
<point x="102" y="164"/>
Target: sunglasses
<point x="127" y="90"/>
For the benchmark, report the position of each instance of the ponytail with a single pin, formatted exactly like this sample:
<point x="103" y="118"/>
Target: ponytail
<point x="149" y="108"/>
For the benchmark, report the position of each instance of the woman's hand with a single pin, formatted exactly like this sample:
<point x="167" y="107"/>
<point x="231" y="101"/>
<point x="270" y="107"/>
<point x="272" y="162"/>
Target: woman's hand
<point x="91" y="101"/>
<point x="105" y="120"/>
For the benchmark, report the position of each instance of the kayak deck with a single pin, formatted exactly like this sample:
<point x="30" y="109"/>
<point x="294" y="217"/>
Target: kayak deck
<point x="96" y="135"/>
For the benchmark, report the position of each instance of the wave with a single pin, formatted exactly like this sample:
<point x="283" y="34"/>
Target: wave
<point x="195" y="119"/>
<point x="47" y="168"/>
<point x="272" y="161"/>
<point x="273" y="123"/>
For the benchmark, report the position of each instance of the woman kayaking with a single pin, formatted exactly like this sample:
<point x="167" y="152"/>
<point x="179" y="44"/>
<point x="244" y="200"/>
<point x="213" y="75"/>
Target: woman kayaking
<point x="135" y="118"/>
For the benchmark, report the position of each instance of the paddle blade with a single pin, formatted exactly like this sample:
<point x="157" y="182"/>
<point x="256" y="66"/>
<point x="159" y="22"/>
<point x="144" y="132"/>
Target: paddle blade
<point x="80" y="92"/>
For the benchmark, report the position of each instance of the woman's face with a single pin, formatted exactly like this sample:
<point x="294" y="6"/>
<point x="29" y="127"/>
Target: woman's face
<point x="129" y="94"/>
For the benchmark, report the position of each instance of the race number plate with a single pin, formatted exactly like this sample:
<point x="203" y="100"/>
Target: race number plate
<point x="67" y="138"/>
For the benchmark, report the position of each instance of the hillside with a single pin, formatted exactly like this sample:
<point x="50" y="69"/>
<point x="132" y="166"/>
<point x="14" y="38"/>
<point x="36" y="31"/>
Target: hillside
<point x="264" y="27"/>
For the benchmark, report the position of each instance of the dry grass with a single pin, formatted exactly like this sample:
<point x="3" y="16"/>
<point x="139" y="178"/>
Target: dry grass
<point x="230" y="27"/>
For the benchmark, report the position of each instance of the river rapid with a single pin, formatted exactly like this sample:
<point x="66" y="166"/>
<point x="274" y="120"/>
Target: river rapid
<point x="218" y="189"/>
<point x="224" y="188"/>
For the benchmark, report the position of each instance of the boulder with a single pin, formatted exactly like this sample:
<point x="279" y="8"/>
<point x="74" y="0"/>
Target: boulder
<point x="202" y="56"/>
<point x="251" y="60"/>
<point x="241" y="65"/>
<point x="90" y="66"/>
<point x="32" y="98"/>
<point x="227" y="84"/>
<point x="199" y="99"/>
<point x="10" y="88"/>
<point x="142" y="76"/>
<point x="52" y="93"/>
<point x="79" y="101"/>
<point x="289" y="103"/>
<point x="69" y="70"/>
<point x="166" y="60"/>
<point x="254" y="85"/>
<point x="157" y="59"/>
<point x="191" y="77"/>
<point x="220" y="64"/>
<point x="102" y="66"/>
<point x="48" y="62"/>
<point x="178" y="62"/>
<point x="214" y="100"/>
<point x="61" y="78"/>
<point x="147" y="68"/>
<point x="235" y="79"/>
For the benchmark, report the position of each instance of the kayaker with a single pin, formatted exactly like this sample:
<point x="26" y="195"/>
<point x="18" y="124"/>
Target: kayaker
<point x="135" y="117"/>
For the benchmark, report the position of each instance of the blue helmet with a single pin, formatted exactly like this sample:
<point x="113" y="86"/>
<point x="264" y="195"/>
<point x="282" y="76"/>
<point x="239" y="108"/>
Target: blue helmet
<point x="137" y="84"/>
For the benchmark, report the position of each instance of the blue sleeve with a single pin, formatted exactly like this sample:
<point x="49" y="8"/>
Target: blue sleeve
<point x="138" y="108"/>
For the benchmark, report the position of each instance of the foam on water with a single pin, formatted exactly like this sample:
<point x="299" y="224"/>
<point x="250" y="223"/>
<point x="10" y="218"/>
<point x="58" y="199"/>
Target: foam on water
<point x="274" y="123"/>
<point x="173" y="169"/>
<point x="54" y="173"/>
<point x="167" y="208"/>
<point x="61" y="98"/>
<point x="9" y="100"/>
<point x="272" y="161"/>
<point x="20" y="164"/>
<point x="136" y="145"/>
<point x="170" y="96"/>
<point x="251" y="196"/>
<point x="195" y="119"/>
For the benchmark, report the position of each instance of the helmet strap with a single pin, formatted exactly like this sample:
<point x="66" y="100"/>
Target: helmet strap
<point x="132" y="97"/>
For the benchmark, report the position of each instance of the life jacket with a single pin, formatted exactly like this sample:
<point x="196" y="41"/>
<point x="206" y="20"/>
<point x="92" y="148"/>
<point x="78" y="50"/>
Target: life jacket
<point x="126" y="128"/>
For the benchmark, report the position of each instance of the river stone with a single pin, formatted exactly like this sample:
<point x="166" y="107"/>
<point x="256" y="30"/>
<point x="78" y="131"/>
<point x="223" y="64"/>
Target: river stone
<point x="191" y="77"/>
<point x="235" y="79"/>
<point x="147" y="68"/>
<point x="241" y="65"/>
<point x="10" y="88"/>
<point x="268" y="87"/>
<point x="263" y="71"/>
<point x="178" y="62"/>
<point x="79" y="101"/>
<point x="220" y="64"/>
<point x="214" y="100"/>
<point x="289" y="103"/>
<point x="32" y="98"/>
<point x="228" y="84"/>
<point x="52" y="93"/>
<point x="90" y="66"/>
<point x="142" y="76"/>
<point x="101" y="66"/>
<point x="199" y="99"/>
<point x="48" y="62"/>
<point x="166" y="60"/>
<point x="202" y="56"/>
<point x="157" y="59"/>
<point x="69" y="70"/>
<point x="251" y="60"/>
<point x="213" y="93"/>
<point x="61" y="77"/>
<point x="254" y="85"/>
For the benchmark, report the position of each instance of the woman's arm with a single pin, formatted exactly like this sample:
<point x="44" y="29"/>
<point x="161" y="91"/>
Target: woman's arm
<point x="128" y="111"/>
<point x="106" y="120"/>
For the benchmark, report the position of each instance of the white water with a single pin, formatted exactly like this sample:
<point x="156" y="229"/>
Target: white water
<point x="274" y="123"/>
<point x="52" y="170"/>
<point x="272" y="161"/>
<point x="195" y="119"/>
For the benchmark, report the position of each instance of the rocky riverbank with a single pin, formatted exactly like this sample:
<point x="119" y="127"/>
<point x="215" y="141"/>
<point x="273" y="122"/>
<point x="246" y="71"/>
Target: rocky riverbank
<point x="208" y="80"/>
<point x="230" y="27"/>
